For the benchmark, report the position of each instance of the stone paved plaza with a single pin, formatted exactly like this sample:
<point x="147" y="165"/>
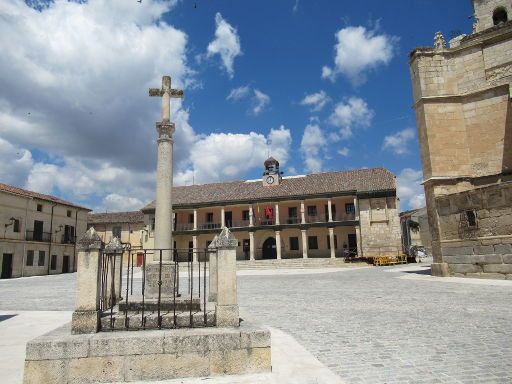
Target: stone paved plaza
<point x="370" y="325"/>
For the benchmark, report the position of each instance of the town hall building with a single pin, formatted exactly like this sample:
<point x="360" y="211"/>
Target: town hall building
<point x="323" y="215"/>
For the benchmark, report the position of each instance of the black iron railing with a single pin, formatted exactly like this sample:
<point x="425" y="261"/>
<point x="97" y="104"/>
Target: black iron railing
<point x="149" y="292"/>
<point x="67" y="239"/>
<point x="38" y="236"/>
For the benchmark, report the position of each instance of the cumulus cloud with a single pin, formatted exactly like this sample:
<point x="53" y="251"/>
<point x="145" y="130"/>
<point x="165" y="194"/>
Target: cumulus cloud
<point x="312" y="145"/>
<point x="259" y="100"/>
<point x="398" y="143"/>
<point x="409" y="188"/>
<point x="350" y="114"/>
<point x="83" y="100"/>
<point x="358" y="51"/>
<point x="226" y="44"/>
<point x="229" y="156"/>
<point x="116" y="203"/>
<point x="316" y="101"/>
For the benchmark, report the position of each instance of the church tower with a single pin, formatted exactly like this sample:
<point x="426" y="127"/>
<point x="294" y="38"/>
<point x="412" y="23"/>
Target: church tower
<point x="491" y="13"/>
<point x="271" y="175"/>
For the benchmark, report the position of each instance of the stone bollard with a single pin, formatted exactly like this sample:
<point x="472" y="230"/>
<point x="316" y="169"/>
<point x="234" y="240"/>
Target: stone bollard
<point x="212" y="270"/>
<point x="226" y="308"/>
<point x="86" y="317"/>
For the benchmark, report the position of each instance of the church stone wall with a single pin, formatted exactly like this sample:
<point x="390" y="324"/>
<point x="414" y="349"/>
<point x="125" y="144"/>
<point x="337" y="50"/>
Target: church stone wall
<point x="380" y="226"/>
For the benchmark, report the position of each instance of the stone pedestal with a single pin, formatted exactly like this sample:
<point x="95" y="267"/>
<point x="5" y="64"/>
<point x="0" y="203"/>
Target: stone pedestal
<point x="156" y="275"/>
<point x="440" y="270"/>
<point x="86" y="317"/>
<point x="212" y="278"/>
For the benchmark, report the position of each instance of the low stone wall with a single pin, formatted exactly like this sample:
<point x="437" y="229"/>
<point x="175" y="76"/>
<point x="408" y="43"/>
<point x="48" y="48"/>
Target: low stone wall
<point x="59" y="357"/>
<point x="471" y="259"/>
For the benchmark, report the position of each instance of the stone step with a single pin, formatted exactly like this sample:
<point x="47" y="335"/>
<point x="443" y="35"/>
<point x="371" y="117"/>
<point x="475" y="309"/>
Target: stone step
<point x="135" y="320"/>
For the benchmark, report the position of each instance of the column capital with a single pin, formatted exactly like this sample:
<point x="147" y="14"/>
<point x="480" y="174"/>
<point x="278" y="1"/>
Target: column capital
<point x="165" y="130"/>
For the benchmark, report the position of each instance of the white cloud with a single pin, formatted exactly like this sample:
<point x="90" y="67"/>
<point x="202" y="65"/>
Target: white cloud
<point x="295" y="6"/>
<point x="226" y="44"/>
<point x="239" y="93"/>
<point x="229" y="156"/>
<point x="344" y="152"/>
<point x="259" y="102"/>
<point x="118" y="203"/>
<point x="312" y="145"/>
<point x="410" y="191"/>
<point x="350" y="114"/>
<point x="398" y="142"/>
<point x="83" y="101"/>
<point x="358" y="51"/>
<point x="316" y="101"/>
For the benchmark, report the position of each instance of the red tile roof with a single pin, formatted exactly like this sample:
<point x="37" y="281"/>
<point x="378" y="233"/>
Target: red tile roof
<point x="330" y="183"/>
<point x="35" y="195"/>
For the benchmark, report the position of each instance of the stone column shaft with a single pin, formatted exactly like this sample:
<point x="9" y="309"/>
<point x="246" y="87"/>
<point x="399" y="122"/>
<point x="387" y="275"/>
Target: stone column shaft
<point x="195" y="219"/>
<point x="251" y="216"/>
<point x="276" y="209"/>
<point x="304" y="244"/>
<point x="329" y="209"/>
<point x="194" y="246"/>
<point x="331" y="243"/>
<point x="278" y="245"/>
<point x="251" y="245"/>
<point x="356" y="208"/>
<point x="222" y="217"/>
<point x="302" y="213"/>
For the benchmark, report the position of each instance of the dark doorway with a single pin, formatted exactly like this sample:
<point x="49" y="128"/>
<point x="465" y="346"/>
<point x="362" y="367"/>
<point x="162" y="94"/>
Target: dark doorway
<point x="352" y="244"/>
<point x="269" y="249"/>
<point x="228" y="219"/>
<point x="6" y="266"/>
<point x="65" y="264"/>
<point x="38" y="230"/>
<point x="246" y="247"/>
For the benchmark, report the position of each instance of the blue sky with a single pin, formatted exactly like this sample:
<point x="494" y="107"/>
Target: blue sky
<point x="321" y="85"/>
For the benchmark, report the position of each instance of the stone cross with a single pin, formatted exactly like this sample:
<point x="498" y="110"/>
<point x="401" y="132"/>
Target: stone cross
<point x="166" y="92"/>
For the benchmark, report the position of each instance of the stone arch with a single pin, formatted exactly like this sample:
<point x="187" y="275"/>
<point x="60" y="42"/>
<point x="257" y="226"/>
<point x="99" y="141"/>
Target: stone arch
<point x="499" y="16"/>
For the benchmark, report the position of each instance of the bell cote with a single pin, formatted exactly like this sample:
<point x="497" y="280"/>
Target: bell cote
<point x="271" y="175"/>
<point x="491" y="13"/>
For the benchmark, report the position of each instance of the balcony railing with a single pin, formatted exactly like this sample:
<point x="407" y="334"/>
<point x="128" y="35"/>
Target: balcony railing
<point x="292" y="220"/>
<point x="316" y="219"/>
<point x="209" y="226"/>
<point x="238" y="224"/>
<point x="184" y="227"/>
<point x="265" y="222"/>
<point x="344" y="217"/>
<point x="66" y="239"/>
<point x="38" y="236"/>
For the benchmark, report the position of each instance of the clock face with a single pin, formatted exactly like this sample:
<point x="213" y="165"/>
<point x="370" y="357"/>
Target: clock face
<point x="270" y="180"/>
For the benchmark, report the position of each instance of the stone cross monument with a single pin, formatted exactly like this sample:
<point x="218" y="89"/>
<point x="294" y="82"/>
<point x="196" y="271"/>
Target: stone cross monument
<point x="163" y="209"/>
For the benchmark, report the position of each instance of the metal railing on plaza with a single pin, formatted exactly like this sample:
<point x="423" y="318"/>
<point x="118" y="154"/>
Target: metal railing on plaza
<point x="38" y="236"/>
<point x="158" y="294"/>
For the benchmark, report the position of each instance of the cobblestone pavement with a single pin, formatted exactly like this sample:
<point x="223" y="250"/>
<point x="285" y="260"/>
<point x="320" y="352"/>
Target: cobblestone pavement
<point x="366" y="325"/>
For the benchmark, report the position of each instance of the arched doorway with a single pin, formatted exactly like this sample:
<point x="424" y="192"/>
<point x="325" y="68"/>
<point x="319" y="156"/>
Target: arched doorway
<point x="269" y="249"/>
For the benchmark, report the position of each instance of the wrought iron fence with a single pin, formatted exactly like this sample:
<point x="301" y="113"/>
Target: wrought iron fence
<point x="152" y="293"/>
<point x="38" y="236"/>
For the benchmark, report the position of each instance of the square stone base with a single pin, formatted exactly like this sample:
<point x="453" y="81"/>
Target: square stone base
<point x="153" y="277"/>
<point x="440" y="270"/>
<point x="85" y="322"/>
<point x="59" y="357"/>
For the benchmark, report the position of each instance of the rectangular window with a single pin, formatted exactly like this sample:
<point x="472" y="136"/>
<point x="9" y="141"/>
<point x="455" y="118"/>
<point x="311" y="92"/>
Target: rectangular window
<point x="209" y="217"/>
<point x="152" y="223"/>
<point x="245" y="215"/>
<point x="294" y="243"/>
<point x="41" y="260"/>
<point x="16" y="226"/>
<point x="53" y="264"/>
<point x="350" y="208"/>
<point x="68" y="213"/>
<point x="312" y="210"/>
<point x="116" y="232"/>
<point x="191" y="218"/>
<point x="39" y="207"/>
<point x="30" y="259"/>
<point x="292" y="211"/>
<point x="246" y="245"/>
<point x="312" y="242"/>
